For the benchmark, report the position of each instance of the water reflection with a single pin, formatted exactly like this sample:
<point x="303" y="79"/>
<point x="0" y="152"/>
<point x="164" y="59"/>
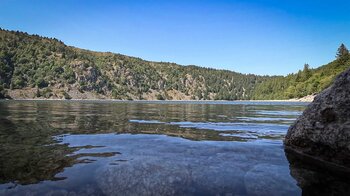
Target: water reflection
<point x="317" y="181"/>
<point x="162" y="165"/>
<point x="29" y="153"/>
<point x="117" y="148"/>
<point x="213" y="121"/>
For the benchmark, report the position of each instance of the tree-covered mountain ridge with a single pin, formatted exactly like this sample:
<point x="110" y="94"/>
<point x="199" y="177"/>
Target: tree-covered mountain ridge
<point x="36" y="67"/>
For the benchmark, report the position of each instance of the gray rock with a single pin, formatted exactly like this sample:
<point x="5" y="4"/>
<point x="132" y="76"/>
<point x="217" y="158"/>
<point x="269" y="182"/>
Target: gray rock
<point x="322" y="133"/>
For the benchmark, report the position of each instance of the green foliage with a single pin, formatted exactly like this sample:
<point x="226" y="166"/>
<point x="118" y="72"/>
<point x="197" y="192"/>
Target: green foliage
<point x="305" y="82"/>
<point x="18" y="82"/>
<point x="66" y="95"/>
<point x="31" y="61"/>
<point x="38" y="93"/>
<point x="41" y="83"/>
<point x="47" y="93"/>
<point x="2" y="92"/>
<point x="159" y="97"/>
<point x="342" y="52"/>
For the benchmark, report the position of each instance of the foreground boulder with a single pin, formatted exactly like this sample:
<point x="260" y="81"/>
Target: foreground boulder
<point x="322" y="133"/>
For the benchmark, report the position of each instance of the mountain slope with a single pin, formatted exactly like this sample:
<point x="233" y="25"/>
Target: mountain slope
<point x="34" y="67"/>
<point x="38" y="67"/>
<point x="305" y="82"/>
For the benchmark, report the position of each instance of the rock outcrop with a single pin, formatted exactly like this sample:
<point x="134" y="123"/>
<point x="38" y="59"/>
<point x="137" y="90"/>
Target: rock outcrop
<point x="322" y="133"/>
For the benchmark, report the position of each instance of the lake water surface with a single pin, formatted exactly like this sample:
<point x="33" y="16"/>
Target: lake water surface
<point x="151" y="148"/>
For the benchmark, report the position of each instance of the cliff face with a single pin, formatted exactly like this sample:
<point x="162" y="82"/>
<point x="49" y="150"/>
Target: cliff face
<point x="323" y="130"/>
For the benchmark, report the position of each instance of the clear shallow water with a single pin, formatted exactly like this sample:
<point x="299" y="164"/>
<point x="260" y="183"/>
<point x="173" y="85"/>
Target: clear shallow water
<point x="151" y="148"/>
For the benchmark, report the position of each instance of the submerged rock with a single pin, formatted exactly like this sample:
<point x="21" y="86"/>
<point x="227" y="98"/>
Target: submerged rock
<point x="322" y="133"/>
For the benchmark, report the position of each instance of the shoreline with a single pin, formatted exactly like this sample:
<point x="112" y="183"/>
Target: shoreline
<point x="30" y="94"/>
<point x="120" y="100"/>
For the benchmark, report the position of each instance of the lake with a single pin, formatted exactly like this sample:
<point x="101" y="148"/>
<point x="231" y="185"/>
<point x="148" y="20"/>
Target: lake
<point x="153" y="148"/>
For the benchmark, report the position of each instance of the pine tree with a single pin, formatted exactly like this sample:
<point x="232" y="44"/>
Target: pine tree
<point x="342" y="51"/>
<point x="306" y="72"/>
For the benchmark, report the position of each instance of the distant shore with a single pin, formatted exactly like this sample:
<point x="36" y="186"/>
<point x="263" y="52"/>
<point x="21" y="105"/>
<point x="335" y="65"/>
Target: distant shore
<point x="74" y="94"/>
<point x="303" y="99"/>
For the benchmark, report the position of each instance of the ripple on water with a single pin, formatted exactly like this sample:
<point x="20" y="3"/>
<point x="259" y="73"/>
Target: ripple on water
<point x="267" y="119"/>
<point x="279" y="113"/>
<point x="243" y="130"/>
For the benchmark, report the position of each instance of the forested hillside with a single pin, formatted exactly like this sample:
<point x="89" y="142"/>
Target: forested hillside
<point x="305" y="82"/>
<point x="32" y="66"/>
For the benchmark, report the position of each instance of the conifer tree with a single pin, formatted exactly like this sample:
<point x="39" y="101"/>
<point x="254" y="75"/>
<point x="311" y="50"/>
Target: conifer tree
<point x="306" y="72"/>
<point x="342" y="51"/>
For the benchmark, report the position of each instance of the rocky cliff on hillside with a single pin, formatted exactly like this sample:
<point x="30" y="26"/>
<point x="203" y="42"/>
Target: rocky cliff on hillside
<point x="322" y="133"/>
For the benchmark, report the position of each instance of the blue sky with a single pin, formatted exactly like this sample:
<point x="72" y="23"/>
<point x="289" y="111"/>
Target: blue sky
<point x="261" y="37"/>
